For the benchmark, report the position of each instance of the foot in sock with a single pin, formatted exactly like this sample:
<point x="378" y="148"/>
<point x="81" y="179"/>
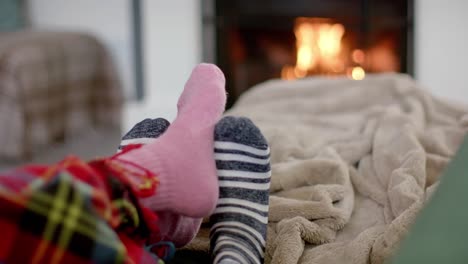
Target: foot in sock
<point x="176" y="228"/>
<point x="239" y="222"/>
<point x="183" y="156"/>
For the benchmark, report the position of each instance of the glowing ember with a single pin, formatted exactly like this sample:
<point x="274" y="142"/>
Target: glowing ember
<point x="358" y="73"/>
<point x="358" y="56"/>
<point x="287" y="73"/>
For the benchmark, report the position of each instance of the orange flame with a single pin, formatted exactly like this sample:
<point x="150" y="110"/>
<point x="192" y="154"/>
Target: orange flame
<point x="305" y="44"/>
<point x="318" y="45"/>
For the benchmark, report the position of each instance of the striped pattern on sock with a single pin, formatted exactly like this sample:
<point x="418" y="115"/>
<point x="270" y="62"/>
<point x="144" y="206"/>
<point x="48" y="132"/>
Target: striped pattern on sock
<point x="144" y="132"/>
<point x="239" y="223"/>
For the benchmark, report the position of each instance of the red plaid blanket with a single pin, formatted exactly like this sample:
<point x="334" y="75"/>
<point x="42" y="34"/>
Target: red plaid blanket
<point x="76" y="212"/>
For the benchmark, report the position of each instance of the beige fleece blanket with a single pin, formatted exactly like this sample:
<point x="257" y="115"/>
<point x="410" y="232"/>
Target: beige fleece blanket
<point x="352" y="163"/>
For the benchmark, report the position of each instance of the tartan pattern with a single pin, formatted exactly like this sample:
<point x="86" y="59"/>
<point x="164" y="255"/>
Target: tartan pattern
<point x="53" y="85"/>
<point x="75" y="212"/>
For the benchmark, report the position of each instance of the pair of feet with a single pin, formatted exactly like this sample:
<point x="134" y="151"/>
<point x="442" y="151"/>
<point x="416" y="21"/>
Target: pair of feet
<point x="207" y="166"/>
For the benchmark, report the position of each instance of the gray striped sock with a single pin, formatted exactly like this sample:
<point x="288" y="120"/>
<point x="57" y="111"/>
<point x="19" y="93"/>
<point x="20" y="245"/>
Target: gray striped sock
<point x="239" y="223"/>
<point x="144" y="132"/>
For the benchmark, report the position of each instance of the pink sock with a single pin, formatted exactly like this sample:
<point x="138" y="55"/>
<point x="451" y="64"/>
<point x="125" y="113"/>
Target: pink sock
<point x="173" y="227"/>
<point x="183" y="156"/>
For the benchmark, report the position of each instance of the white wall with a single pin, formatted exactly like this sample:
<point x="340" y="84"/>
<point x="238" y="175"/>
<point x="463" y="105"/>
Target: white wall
<point x="109" y="20"/>
<point x="172" y="47"/>
<point x="441" y="47"/>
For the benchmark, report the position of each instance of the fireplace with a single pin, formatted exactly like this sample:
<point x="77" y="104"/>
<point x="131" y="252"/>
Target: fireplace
<point x="253" y="41"/>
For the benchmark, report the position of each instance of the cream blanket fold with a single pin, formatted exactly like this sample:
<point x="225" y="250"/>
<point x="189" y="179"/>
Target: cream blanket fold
<point x="352" y="163"/>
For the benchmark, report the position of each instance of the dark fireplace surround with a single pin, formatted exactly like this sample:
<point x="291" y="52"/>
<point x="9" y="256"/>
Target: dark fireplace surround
<point x="252" y="40"/>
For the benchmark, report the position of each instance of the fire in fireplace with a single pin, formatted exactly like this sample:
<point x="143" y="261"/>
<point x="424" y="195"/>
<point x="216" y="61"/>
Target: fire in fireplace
<point x="318" y="48"/>
<point x="253" y="41"/>
<point x="321" y="50"/>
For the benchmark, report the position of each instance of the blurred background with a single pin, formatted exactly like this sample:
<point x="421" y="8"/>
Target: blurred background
<point x="152" y="45"/>
<point x="173" y="40"/>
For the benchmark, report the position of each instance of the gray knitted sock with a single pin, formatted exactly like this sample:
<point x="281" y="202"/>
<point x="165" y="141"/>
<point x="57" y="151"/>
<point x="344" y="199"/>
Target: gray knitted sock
<point x="144" y="132"/>
<point x="239" y="222"/>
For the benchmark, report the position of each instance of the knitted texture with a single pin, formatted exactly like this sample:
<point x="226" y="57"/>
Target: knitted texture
<point x="173" y="227"/>
<point x="239" y="223"/>
<point x="183" y="156"/>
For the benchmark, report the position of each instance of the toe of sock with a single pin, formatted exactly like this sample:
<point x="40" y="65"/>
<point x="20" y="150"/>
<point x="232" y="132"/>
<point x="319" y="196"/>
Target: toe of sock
<point x="240" y="130"/>
<point x="208" y="69"/>
<point x="205" y="90"/>
<point x="148" y="128"/>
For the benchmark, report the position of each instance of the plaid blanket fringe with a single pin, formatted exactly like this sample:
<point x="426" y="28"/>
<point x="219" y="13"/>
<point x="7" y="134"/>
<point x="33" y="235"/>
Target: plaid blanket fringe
<point x="76" y="212"/>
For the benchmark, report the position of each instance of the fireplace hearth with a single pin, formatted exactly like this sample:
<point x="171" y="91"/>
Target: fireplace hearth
<point x="253" y="41"/>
